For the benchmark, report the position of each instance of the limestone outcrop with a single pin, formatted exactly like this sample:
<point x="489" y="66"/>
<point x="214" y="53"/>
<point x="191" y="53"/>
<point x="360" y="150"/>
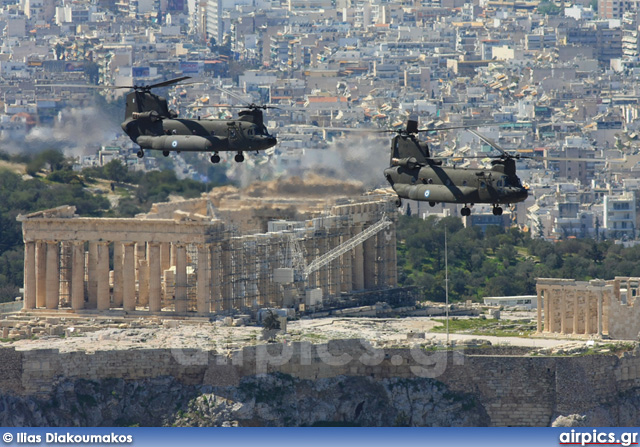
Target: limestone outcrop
<point x="265" y="400"/>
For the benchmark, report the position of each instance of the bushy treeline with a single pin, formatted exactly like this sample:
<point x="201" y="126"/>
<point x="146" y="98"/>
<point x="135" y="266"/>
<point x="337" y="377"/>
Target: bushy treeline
<point x="500" y="262"/>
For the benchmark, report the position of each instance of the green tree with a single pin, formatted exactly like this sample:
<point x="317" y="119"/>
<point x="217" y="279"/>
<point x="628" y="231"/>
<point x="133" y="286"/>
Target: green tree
<point x="116" y="171"/>
<point x="549" y="8"/>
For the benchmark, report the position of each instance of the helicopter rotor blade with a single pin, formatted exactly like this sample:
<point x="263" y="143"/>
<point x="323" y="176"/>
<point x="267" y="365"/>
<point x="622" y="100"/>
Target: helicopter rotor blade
<point x="235" y="95"/>
<point x="437" y="129"/>
<point x="168" y="82"/>
<point x="97" y="87"/>
<point x="490" y="142"/>
<point x="115" y="87"/>
<point x="253" y="106"/>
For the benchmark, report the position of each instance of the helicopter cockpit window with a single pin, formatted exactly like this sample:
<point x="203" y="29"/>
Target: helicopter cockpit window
<point x="250" y="132"/>
<point x="512" y="182"/>
<point x="499" y="183"/>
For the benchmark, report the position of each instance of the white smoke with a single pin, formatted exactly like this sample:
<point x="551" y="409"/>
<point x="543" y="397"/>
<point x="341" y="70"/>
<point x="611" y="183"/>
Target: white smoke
<point x="360" y="157"/>
<point x="75" y="132"/>
<point x="355" y="157"/>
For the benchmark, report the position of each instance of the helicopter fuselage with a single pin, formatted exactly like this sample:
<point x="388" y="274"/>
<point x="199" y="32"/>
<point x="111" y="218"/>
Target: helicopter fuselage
<point x="197" y="134"/>
<point x="433" y="183"/>
<point x="150" y="124"/>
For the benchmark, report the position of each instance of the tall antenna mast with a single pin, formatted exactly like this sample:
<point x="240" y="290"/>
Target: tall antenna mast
<point x="446" y="282"/>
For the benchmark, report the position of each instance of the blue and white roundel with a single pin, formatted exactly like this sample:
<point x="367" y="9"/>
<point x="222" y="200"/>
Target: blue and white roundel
<point x="426" y="194"/>
<point x="174" y="143"/>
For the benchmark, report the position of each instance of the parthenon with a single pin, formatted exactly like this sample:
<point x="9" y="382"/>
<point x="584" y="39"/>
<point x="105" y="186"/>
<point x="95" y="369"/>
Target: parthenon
<point x="184" y="259"/>
<point x="595" y="308"/>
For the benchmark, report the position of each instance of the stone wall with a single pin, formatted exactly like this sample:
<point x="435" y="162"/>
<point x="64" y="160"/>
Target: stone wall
<point x="11" y="377"/>
<point x="514" y="390"/>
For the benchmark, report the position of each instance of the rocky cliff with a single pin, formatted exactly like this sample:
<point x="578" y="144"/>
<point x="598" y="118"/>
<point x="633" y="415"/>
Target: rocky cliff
<point x="266" y="400"/>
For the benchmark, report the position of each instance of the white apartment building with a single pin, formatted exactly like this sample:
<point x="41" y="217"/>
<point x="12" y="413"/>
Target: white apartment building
<point x="620" y="215"/>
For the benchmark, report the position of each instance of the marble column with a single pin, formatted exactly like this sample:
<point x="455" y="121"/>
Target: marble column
<point x="155" y="273"/>
<point x="203" y="290"/>
<point x="92" y="283"/>
<point x="346" y="270"/>
<point x="41" y="274"/>
<point x="77" y="276"/>
<point x="141" y="269"/>
<point x="165" y="256"/>
<point x="181" y="278"/>
<point x="563" y="314"/>
<point x="587" y="313"/>
<point x="392" y="255"/>
<point x="539" y="309"/>
<point x="263" y="271"/>
<point x="143" y="282"/>
<point x="358" y="261"/>
<point x="129" y="277"/>
<point x="370" y="260"/>
<point x="600" y="312"/>
<point x="53" y="275"/>
<point x="240" y="272"/>
<point x="216" y="278"/>
<point x="118" y="283"/>
<point x="172" y="258"/>
<point x="102" y="277"/>
<point x="324" y="271"/>
<point x="576" y="312"/>
<point x="29" y="275"/>
<point x="336" y="267"/>
<point x="547" y="309"/>
<point x="227" y="277"/>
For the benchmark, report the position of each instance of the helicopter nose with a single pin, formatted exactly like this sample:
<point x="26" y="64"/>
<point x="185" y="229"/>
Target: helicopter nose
<point x="523" y="193"/>
<point x="272" y="141"/>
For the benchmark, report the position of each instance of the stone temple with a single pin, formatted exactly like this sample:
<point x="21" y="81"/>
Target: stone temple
<point x="278" y="244"/>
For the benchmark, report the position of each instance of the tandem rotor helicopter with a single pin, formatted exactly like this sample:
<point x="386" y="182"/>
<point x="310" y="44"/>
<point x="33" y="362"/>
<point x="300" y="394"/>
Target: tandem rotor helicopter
<point x="150" y="124"/>
<point x="415" y="174"/>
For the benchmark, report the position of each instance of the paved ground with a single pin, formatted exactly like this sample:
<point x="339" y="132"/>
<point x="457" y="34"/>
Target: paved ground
<point x="381" y="332"/>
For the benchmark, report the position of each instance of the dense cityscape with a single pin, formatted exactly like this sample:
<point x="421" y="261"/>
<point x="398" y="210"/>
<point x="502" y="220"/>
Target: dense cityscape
<point x="538" y="78"/>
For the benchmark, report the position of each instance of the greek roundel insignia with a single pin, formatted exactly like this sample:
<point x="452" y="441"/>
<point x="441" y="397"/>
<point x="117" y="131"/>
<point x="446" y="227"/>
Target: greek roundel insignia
<point x="174" y="143"/>
<point x="426" y="194"/>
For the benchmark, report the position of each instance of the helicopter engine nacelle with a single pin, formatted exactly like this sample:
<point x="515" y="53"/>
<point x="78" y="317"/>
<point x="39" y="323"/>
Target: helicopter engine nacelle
<point x="152" y="116"/>
<point x="409" y="162"/>
<point x="187" y="143"/>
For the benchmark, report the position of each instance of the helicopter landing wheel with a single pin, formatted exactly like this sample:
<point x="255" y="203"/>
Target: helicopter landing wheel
<point x="215" y="158"/>
<point x="140" y="153"/>
<point x="432" y="204"/>
<point x="497" y="211"/>
<point x="398" y="202"/>
<point x="465" y="211"/>
<point x="239" y="158"/>
<point x="165" y="153"/>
